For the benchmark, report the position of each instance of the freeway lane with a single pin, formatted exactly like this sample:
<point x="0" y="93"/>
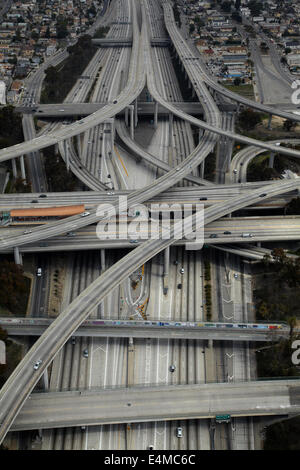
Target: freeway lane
<point x="182" y="195"/>
<point x="23" y="379"/>
<point x="64" y="409"/>
<point x="260" y="228"/>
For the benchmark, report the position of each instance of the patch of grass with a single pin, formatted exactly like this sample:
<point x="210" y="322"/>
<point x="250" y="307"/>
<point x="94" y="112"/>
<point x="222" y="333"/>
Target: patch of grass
<point x="243" y="90"/>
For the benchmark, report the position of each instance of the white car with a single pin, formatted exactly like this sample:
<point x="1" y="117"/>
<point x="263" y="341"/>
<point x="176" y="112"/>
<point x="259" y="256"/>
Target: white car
<point x="37" y="364"/>
<point x="26" y="232"/>
<point x="84" y="214"/>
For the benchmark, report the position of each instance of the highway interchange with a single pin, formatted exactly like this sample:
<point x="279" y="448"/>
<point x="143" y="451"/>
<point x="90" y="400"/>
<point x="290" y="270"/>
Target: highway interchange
<point x="87" y="293"/>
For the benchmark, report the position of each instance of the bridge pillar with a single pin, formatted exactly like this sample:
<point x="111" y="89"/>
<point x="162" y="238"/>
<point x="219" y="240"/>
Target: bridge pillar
<point x="131" y="109"/>
<point x="271" y="160"/>
<point x="78" y="140"/>
<point x="102" y="259"/>
<point x="270" y="122"/>
<point x="126" y="116"/>
<point x="166" y="261"/>
<point x="112" y="135"/>
<point x="45" y="380"/>
<point x="170" y="129"/>
<point x="258" y="244"/>
<point x="135" y="112"/>
<point x="17" y="255"/>
<point x="202" y="168"/>
<point x="14" y="168"/>
<point x="23" y="173"/>
<point x="155" y="113"/>
<point x="66" y="155"/>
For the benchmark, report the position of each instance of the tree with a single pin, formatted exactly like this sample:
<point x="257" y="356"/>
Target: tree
<point x="255" y="7"/>
<point x="236" y="16"/>
<point x="226" y="7"/>
<point x="293" y="207"/>
<point x="47" y="33"/>
<point x="237" y="81"/>
<point x="17" y="37"/>
<point x="12" y="285"/>
<point x="288" y="125"/>
<point x="248" y="119"/>
<point x="61" y="27"/>
<point x="237" y="4"/>
<point x="34" y="35"/>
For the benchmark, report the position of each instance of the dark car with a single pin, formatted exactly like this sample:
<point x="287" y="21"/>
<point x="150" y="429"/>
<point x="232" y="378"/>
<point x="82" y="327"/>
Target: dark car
<point x="227" y="232"/>
<point x="263" y="195"/>
<point x="213" y="235"/>
<point x="203" y="199"/>
<point x="43" y="195"/>
<point x="34" y="200"/>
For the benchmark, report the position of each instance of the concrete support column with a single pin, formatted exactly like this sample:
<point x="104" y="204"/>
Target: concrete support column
<point x="135" y="112"/>
<point x="200" y="134"/>
<point x="258" y="244"/>
<point x="78" y="140"/>
<point x="270" y="122"/>
<point x="155" y="113"/>
<point x="170" y="129"/>
<point x="166" y="261"/>
<point x="66" y="152"/>
<point x="271" y="160"/>
<point x="132" y="122"/>
<point x="22" y="164"/>
<point x="56" y="150"/>
<point x="17" y="255"/>
<point x="126" y="116"/>
<point x="202" y="168"/>
<point x="102" y="259"/>
<point x="112" y="135"/>
<point x="45" y="380"/>
<point x="14" y="168"/>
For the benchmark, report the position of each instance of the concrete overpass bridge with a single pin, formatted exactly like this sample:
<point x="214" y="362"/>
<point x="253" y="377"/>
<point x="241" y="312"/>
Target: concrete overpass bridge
<point x="159" y="403"/>
<point x="153" y="329"/>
